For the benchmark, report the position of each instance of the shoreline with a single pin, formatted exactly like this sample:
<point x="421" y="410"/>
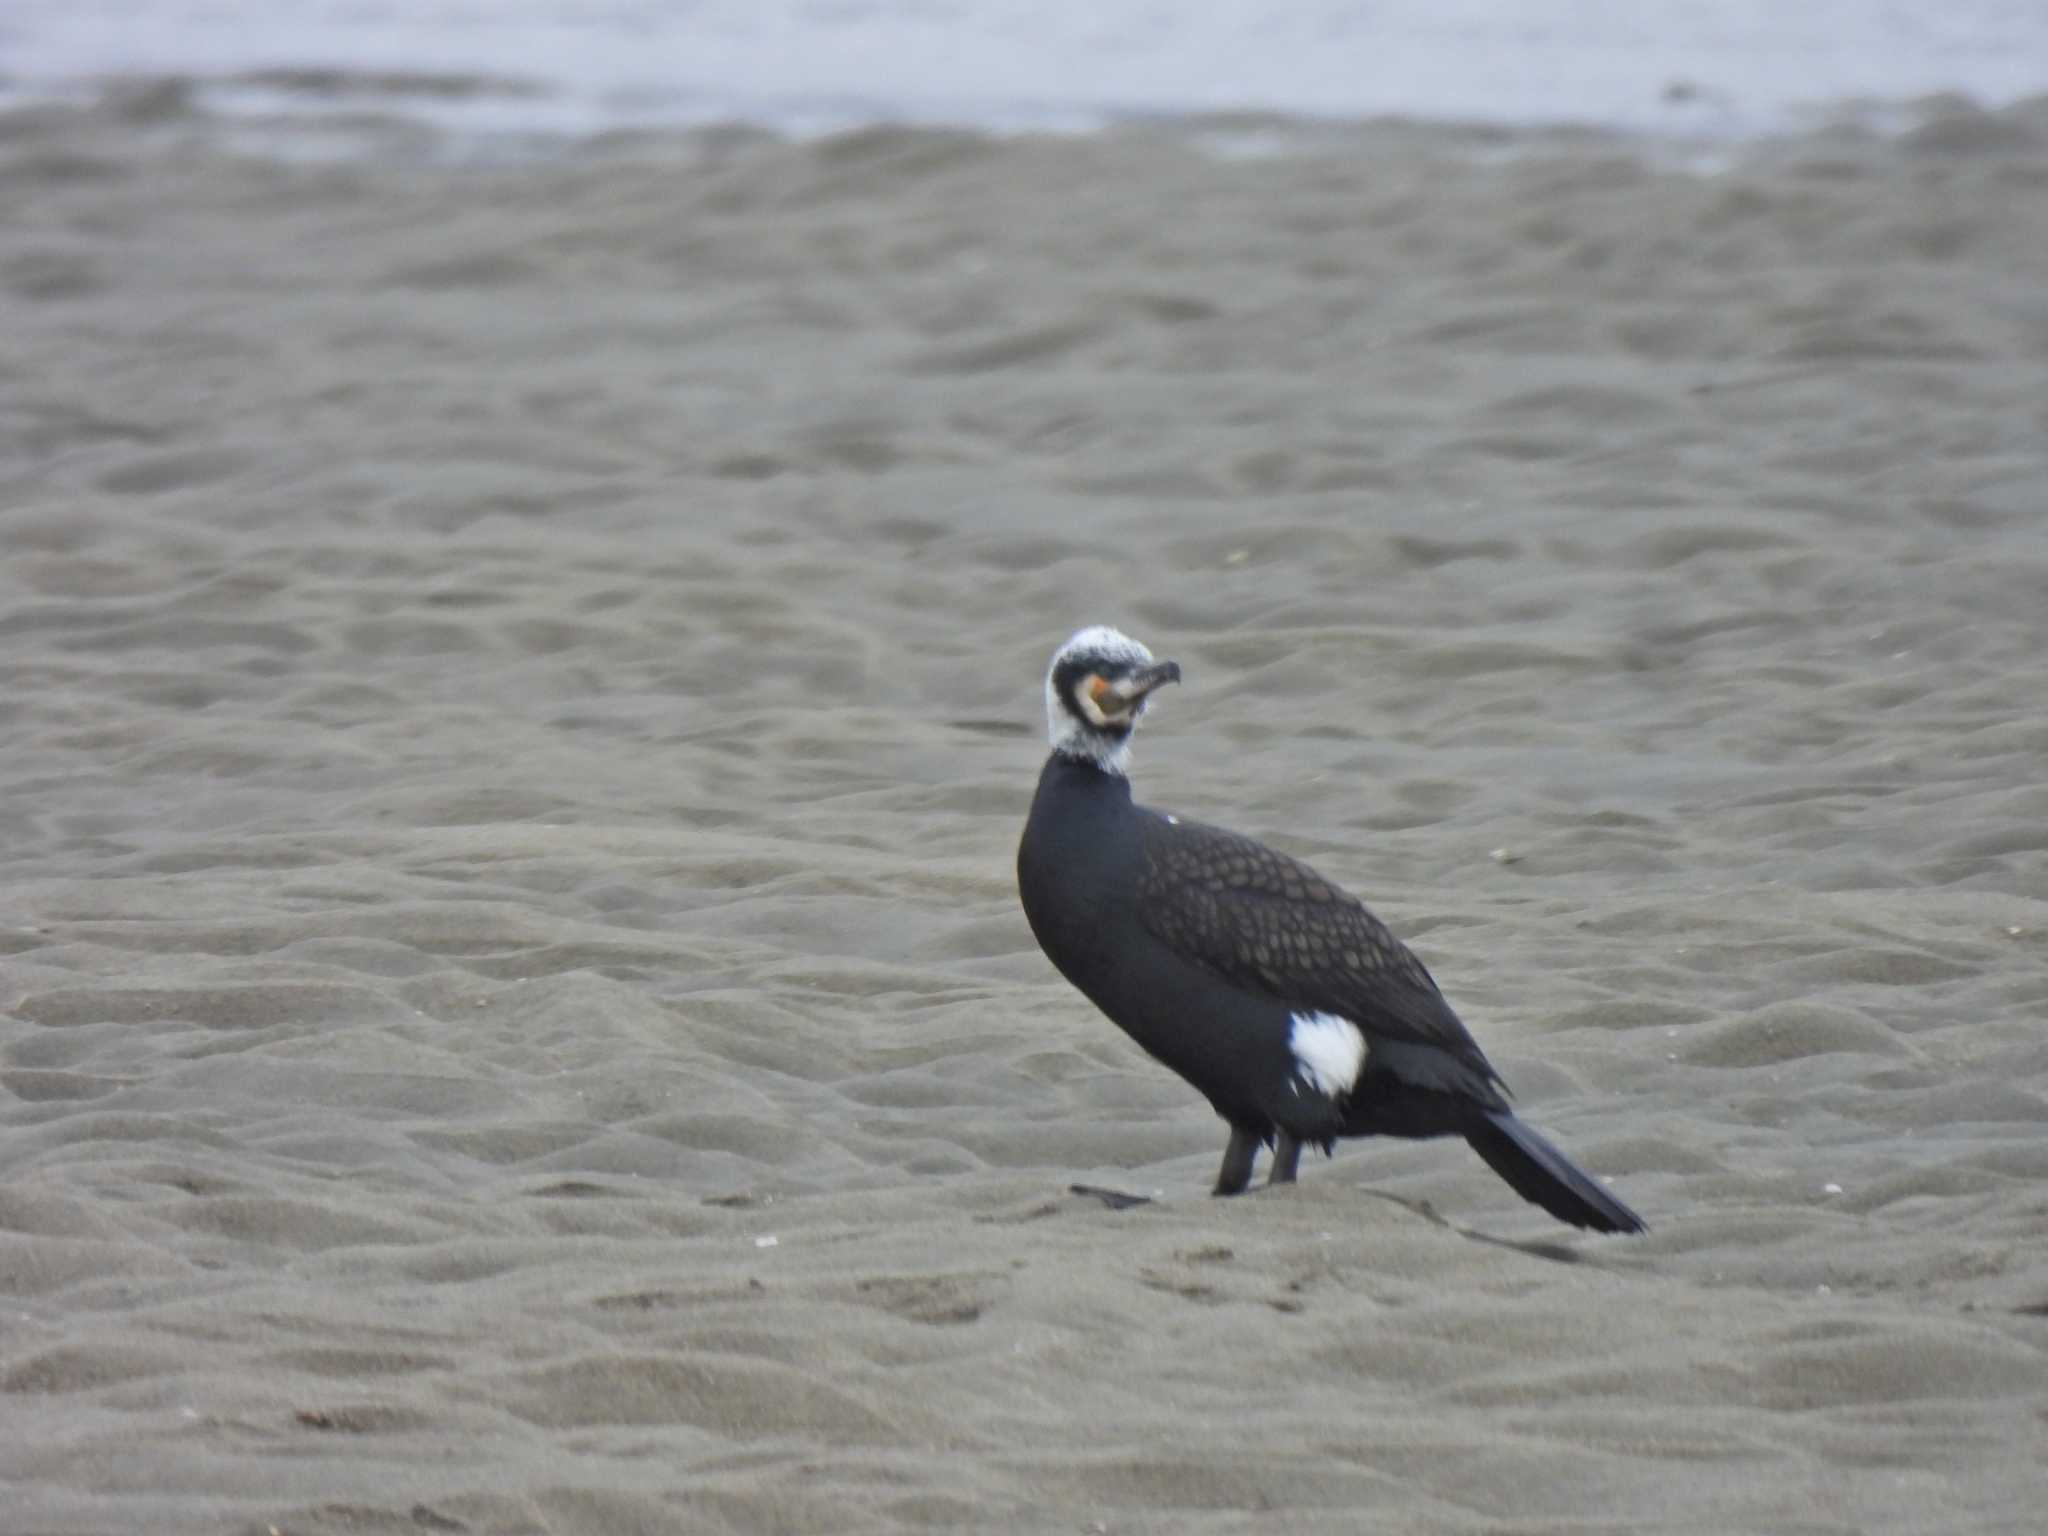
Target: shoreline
<point x="328" y="113"/>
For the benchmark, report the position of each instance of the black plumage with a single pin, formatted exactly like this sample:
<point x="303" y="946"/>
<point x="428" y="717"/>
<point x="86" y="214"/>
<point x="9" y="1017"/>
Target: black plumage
<point x="1276" y="994"/>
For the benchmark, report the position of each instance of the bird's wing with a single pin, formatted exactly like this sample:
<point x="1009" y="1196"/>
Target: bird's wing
<point x="1268" y="923"/>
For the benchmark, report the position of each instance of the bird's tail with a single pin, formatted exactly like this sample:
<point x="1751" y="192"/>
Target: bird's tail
<point x="1544" y="1176"/>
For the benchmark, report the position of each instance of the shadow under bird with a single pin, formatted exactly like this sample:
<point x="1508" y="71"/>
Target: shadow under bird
<point x="1278" y="996"/>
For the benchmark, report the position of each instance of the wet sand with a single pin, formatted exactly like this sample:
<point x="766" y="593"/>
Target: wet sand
<point x="521" y="685"/>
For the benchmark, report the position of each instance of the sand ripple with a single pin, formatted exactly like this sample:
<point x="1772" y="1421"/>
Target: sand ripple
<point x="520" y="689"/>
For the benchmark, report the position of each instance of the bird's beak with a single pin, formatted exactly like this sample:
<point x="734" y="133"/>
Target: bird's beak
<point x="1129" y="691"/>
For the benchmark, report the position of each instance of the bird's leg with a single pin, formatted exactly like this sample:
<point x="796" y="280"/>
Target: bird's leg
<point x="1236" y="1171"/>
<point x="1286" y="1155"/>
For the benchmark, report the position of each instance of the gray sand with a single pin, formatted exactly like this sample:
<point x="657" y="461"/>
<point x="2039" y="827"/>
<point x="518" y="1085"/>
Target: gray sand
<point x="520" y="690"/>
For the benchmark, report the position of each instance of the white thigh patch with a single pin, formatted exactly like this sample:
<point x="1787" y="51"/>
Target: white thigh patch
<point x="1329" y="1052"/>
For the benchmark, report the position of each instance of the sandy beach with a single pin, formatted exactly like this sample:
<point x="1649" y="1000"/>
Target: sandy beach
<point x="519" y="688"/>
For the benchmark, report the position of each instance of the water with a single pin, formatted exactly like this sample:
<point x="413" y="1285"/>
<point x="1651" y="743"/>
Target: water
<point x="1723" y="68"/>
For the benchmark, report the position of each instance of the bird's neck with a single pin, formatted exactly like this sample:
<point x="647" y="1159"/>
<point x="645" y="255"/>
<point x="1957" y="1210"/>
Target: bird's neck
<point x="1107" y="755"/>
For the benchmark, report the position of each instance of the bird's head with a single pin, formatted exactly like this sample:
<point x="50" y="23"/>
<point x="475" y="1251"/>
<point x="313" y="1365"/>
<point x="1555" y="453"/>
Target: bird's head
<point x="1095" y="691"/>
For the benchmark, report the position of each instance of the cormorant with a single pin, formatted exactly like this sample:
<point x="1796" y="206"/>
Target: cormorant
<point x="1277" y="995"/>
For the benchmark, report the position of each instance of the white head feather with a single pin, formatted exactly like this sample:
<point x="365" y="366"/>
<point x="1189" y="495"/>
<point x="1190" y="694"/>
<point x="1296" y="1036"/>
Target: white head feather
<point x="1075" y="724"/>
